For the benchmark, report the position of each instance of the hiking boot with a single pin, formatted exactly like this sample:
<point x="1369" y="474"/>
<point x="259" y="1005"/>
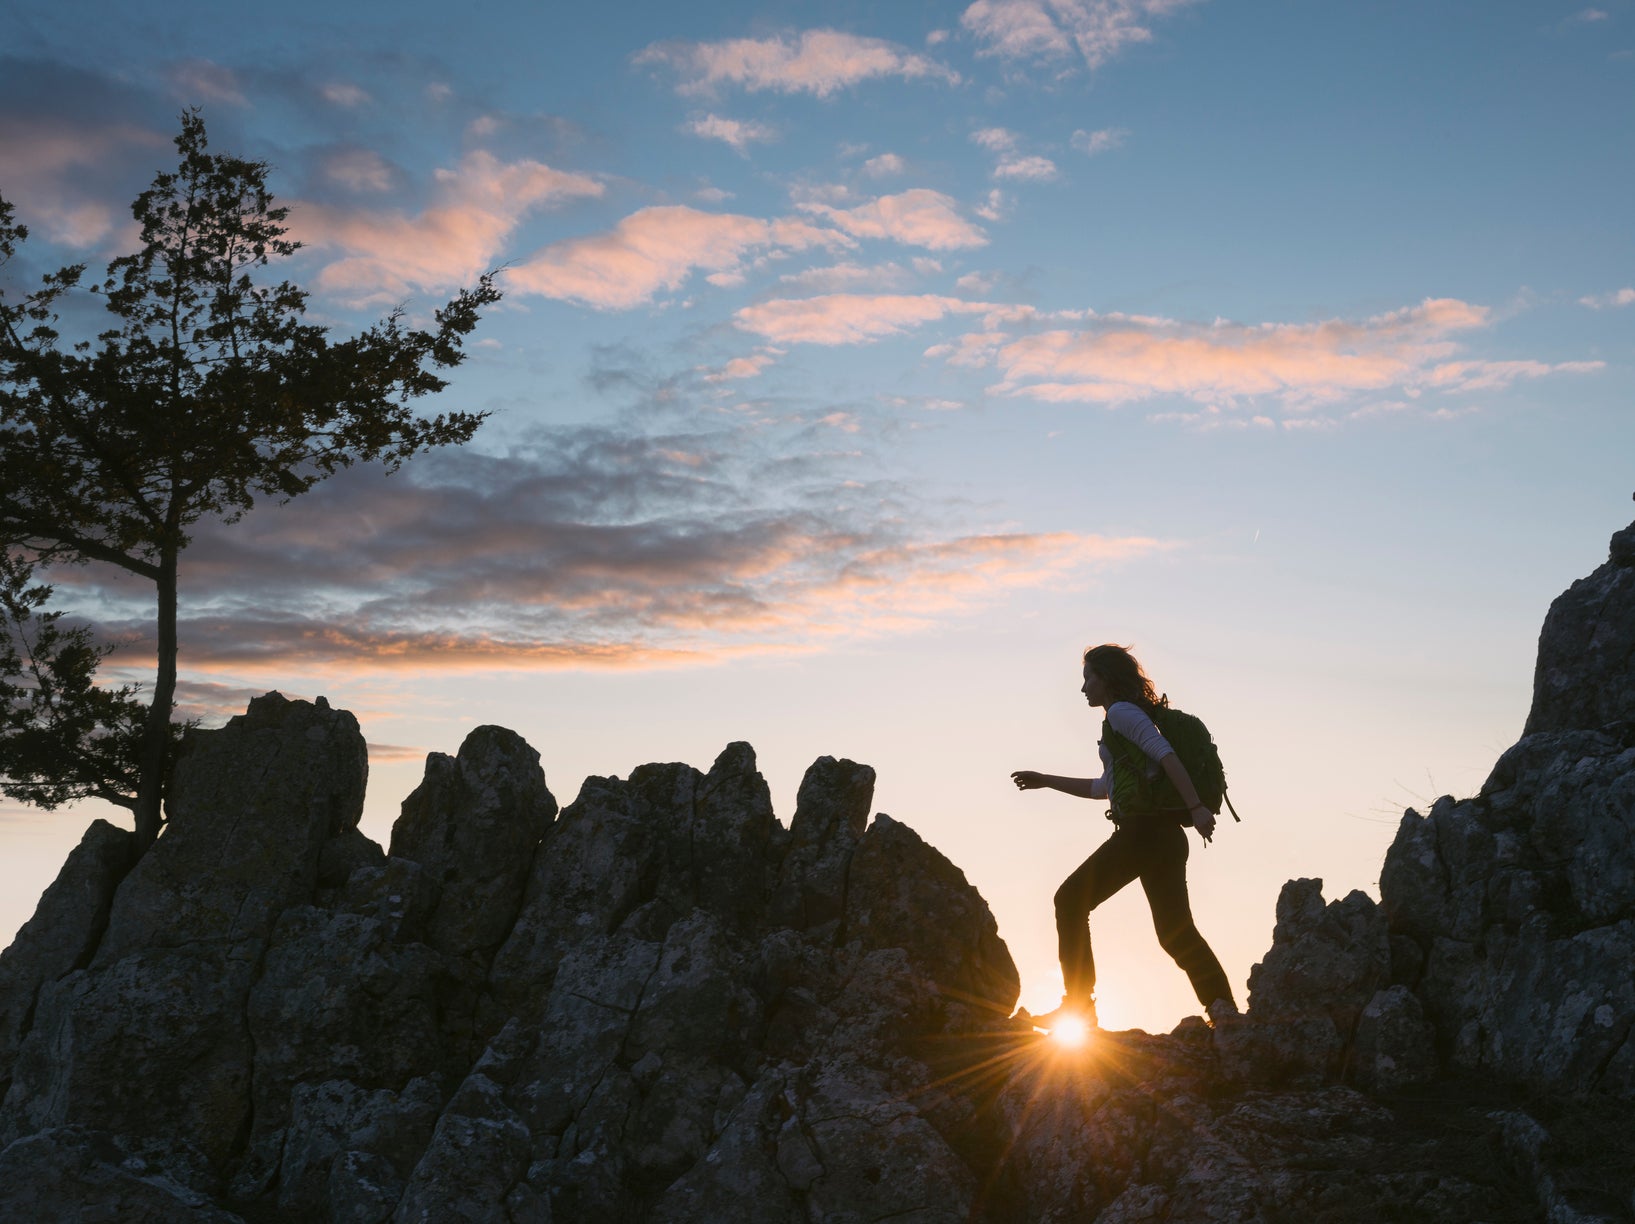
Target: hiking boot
<point x="1084" y="1012"/>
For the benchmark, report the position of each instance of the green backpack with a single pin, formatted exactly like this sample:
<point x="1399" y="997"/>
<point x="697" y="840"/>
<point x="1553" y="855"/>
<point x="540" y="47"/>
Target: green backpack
<point x="1140" y="783"/>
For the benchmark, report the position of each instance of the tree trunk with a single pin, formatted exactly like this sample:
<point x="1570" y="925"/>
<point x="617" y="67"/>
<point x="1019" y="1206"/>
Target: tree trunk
<point x="150" y="786"/>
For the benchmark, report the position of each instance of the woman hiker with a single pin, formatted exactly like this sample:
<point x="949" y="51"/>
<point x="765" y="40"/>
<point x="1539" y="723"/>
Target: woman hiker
<point x="1149" y="845"/>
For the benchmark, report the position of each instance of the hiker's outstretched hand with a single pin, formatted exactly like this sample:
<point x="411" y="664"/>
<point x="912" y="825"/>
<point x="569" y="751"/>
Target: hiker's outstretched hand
<point x="1027" y="779"/>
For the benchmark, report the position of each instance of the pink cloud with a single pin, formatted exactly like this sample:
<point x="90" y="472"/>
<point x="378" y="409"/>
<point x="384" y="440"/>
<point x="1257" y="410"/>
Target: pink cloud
<point x="738" y="133"/>
<point x="384" y="254"/>
<point x="815" y="61"/>
<point x="655" y="250"/>
<point x="918" y="217"/>
<point x="1053" y="29"/>
<point x="1118" y="358"/>
<point x="1606" y="301"/>
<point x="39" y="162"/>
<point x="848" y="318"/>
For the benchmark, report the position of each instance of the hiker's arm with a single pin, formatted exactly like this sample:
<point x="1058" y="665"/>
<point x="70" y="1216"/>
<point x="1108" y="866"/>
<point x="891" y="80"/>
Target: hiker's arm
<point x="1082" y="788"/>
<point x="1202" y="818"/>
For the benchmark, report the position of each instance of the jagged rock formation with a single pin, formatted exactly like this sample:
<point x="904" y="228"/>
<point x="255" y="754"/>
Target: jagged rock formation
<point x="662" y="1004"/>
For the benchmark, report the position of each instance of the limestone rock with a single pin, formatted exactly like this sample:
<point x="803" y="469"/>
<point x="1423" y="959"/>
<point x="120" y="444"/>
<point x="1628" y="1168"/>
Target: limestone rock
<point x="474" y="824"/>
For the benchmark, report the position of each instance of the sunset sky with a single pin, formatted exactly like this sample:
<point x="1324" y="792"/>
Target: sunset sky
<point x="860" y="364"/>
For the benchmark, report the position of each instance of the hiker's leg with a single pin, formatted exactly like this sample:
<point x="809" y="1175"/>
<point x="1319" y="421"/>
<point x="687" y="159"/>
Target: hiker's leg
<point x="1164" y="877"/>
<point x="1101" y="875"/>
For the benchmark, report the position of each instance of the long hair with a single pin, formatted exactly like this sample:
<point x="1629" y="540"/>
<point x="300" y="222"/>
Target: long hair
<point x="1119" y="669"/>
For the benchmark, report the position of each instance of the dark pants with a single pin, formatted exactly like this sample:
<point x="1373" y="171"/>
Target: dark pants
<point x="1155" y="852"/>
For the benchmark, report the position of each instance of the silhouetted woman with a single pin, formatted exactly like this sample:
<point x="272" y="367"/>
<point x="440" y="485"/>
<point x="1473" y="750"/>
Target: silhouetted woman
<point x="1147" y="845"/>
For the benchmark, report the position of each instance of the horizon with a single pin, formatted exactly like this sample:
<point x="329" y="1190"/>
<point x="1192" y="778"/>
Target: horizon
<point x="859" y="367"/>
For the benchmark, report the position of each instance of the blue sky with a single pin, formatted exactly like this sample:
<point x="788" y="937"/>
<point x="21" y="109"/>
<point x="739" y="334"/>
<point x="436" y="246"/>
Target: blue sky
<point x="860" y="364"/>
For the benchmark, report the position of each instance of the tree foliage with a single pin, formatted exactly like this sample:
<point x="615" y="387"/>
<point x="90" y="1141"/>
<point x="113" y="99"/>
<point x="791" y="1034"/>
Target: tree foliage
<point x="208" y="390"/>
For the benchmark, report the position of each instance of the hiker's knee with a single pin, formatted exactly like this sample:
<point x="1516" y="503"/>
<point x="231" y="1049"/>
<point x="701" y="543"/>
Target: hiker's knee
<point x="1179" y="941"/>
<point x="1072" y="905"/>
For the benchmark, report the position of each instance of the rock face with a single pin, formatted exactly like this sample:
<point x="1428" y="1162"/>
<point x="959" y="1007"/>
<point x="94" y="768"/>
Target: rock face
<point x="661" y="1004"/>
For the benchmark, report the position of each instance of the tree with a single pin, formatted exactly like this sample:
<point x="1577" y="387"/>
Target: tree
<point x="208" y="391"/>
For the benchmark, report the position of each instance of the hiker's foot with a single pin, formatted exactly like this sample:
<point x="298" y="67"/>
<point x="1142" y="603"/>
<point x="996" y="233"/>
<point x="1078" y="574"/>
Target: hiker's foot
<point x="1219" y="1010"/>
<point x="1068" y="1013"/>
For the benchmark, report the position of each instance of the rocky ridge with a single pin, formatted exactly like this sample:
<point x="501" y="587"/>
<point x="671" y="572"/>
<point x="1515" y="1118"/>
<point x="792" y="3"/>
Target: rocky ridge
<point x="661" y="1003"/>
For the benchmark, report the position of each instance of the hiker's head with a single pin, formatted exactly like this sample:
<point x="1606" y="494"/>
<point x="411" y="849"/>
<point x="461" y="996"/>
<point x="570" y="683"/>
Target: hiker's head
<point x="1120" y="677"/>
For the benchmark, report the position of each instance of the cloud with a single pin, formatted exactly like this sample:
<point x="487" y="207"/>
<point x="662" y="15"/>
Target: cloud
<point x="1102" y="140"/>
<point x="1607" y="301"/>
<point x="201" y="80"/>
<point x="884" y="165"/>
<point x="994" y="139"/>
<point x="1592" y="15"/>
<point x="358" y="169"/>
<point x="848" y="318"/>
<point x="1096" y="30"/>
<point x="654" y="250"/>
<point x="343" y="94"/>
<point x="815" y="61"/>
<point x="49" y="166"/>
<point x="479" y="204"/>
<point x="743" y="367"/>
<point x="1032" y="168"/>
<point x="1117" y="358"/>
<point x="737" y="133"/>
<point x="918" y="217"/>
<point x="589" y="547"/>
<point x="839" y="277"/>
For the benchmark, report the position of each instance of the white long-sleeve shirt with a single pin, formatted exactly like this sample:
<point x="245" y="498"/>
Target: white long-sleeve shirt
<point x="1130" y="721"/>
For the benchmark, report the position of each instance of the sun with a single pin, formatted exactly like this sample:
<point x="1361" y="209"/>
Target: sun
<point x="1071" y="1032"/>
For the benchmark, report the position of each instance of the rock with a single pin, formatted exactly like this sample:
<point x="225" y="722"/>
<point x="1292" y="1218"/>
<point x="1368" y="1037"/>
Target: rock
<point x="1395" y="1045"/>
<point x="474" y="824"/>
<point x="895" y="882"/>
<point x="62" y="934"/>
<point x="1585" y="675"/>
<point x="150" y="1040"/>
<point x="73" y="1173"/>
<point x="831" y="812"/>
<point x="242" y="844"/>
<point x="1307" y="996"/>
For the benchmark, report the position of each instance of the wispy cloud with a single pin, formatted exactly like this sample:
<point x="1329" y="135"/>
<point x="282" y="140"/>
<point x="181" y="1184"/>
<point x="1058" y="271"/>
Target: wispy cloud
<point x="813" y="61"/>
<point x="201" y="80"/>
<point x="1095" y="30"/>
<point x="738" y="133"/>
<point x="590" y="547"/>
<point x="1609" y="301"/>
<point x="344" y="94"/>
<point x="1102" y="140"/>
<point x="656" y="250"/>
<point x="479" y="204"/>
<point x="1116" y="359"/>
<point x="848" y="318"/>
<point x="918" y="217"/>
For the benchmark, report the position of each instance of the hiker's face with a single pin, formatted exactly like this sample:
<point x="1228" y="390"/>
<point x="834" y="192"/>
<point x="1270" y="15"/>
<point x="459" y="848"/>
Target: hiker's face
<point x="1094" y="688"/>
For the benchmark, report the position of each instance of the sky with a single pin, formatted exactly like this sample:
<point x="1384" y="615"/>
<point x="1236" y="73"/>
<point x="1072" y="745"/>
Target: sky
<point x="861" y="364"/>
